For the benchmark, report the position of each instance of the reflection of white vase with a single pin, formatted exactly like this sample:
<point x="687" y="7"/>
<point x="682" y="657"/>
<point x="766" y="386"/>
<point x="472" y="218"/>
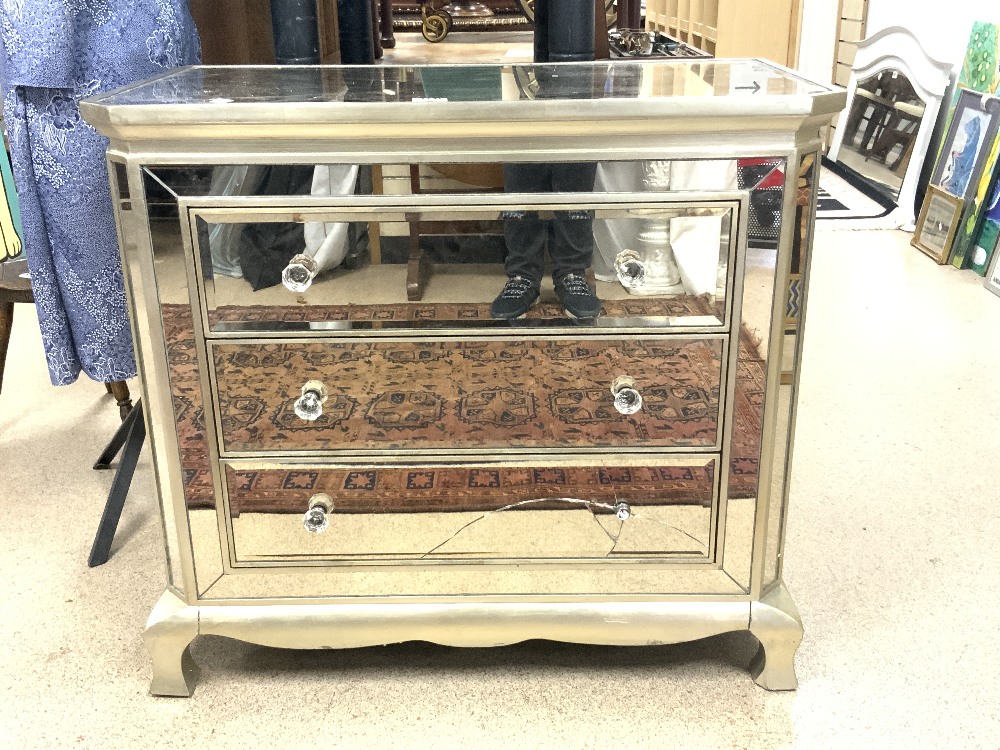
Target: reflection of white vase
<point x="683" y="246"/>
<point x="653" y="243"/>
<point x="326" y="242"/>
<point x="658" y="258"/>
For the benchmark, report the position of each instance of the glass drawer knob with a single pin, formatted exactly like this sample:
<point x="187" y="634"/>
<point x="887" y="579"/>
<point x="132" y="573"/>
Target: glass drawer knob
<point x="309" y="406"/>
<point x="623" y="510"/>
<point x="630" y="269"/>
<point x="317" y="518"/>
<point x="627" y="399"/>
<point x="299" y="273"/>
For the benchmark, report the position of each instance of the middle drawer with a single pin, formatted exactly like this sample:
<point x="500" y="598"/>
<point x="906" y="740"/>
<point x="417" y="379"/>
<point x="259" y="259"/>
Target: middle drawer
<point x="476" y="395"/>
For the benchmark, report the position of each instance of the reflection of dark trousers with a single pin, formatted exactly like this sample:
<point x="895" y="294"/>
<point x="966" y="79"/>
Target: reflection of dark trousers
<point x="570" y="234"/>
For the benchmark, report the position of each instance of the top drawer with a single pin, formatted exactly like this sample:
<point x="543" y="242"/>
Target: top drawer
<point x="390" y="264"/>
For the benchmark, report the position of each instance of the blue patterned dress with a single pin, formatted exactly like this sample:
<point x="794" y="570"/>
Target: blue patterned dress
<point x="56" y="52"/>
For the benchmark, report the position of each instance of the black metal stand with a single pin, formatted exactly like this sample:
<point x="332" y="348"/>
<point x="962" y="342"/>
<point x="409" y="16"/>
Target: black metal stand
<point x="129" y="436"/>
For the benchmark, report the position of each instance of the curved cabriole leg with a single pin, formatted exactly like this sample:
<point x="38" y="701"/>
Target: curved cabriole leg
<point x="775" y="622"/>
<point x="169" y="631"/>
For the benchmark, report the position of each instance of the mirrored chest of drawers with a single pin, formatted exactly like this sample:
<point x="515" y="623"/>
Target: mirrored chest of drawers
<point x="350" y="450"/>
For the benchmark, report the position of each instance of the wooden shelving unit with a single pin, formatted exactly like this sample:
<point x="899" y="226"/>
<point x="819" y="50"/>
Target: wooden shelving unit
<point x="851" y="23"/>
<point x="731" y="28"/>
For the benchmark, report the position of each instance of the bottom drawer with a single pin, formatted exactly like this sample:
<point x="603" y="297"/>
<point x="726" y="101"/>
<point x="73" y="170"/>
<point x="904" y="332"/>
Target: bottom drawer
<point x="516" y="509"/>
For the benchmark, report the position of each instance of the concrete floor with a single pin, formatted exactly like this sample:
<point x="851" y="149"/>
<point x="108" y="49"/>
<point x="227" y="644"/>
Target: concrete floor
<point x="891" y="556"/>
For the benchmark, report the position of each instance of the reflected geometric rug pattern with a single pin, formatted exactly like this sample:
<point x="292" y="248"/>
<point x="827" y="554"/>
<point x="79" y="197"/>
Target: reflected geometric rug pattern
<point x="480" y="395"/>
<point x="447" y="312"/>
<point x="435" y="489"/>
<point x="196" y="469"/>
<point x="827" y="203"/>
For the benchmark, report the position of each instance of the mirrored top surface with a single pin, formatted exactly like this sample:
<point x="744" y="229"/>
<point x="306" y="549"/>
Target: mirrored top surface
<point x="464" y="83"/>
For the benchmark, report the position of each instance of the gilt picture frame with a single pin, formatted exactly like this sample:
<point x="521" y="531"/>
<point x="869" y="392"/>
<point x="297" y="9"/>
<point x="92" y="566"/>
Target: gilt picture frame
<point x="992" y="281"/>
<point x="937" y="224"/>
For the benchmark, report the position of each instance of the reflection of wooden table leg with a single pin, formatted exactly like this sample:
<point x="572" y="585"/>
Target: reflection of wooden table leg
<point x="385" y="20"/>
<point x="874" y="128"/>
<point x="376" y="34"/>
<point x="119" y="389"/>
<point x="374" y="228"/>
<point x="602" y="50"/>
<point x="417" y="267"/>
<point x="629" y="14"/>
<point x="904" y="158"/>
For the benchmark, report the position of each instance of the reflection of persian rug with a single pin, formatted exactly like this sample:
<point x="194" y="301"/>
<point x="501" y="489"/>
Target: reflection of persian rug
<point x="481" y="395"/>
<point x="450" y="312"/>
<point x="424" y="489"/>
<point x="197" y="478"/>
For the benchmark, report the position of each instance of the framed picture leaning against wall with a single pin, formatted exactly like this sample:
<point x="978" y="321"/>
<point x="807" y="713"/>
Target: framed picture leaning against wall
<point x="993" y="274"/>
<point x="967" y="143"/>
<point x="937" y="224"/>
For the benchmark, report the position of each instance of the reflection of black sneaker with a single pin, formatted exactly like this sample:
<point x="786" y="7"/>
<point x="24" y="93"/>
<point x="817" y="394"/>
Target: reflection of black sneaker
<point x="577" y="297"/>
<point x="515" y="300"/>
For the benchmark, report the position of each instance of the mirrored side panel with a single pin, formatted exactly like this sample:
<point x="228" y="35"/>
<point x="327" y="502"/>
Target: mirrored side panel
<point x="183" y="375"/>
<point x="131" y="237"/>
<point x="765" y="180"/>
<point x="795" y="302"/>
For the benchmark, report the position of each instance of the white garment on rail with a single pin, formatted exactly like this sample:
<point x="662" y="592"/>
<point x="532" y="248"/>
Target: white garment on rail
<point x="326" y="242"/>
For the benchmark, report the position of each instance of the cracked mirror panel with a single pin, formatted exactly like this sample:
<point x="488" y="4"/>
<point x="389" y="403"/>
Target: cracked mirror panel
<point x="657" y="264"/>
<point x="552" y="510"/>
<point x="469" y="395"/>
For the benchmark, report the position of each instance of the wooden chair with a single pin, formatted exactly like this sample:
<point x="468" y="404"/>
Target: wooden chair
<point x="15" y="287"/>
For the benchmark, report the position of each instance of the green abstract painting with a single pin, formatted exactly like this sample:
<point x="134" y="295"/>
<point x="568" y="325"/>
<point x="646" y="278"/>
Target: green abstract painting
<point x="980" y="72"/>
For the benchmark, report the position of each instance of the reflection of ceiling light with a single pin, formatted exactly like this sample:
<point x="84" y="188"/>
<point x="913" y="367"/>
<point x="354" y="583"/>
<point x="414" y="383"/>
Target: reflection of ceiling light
<point x="220" y="100"/>
<point x="388" y="92"/>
